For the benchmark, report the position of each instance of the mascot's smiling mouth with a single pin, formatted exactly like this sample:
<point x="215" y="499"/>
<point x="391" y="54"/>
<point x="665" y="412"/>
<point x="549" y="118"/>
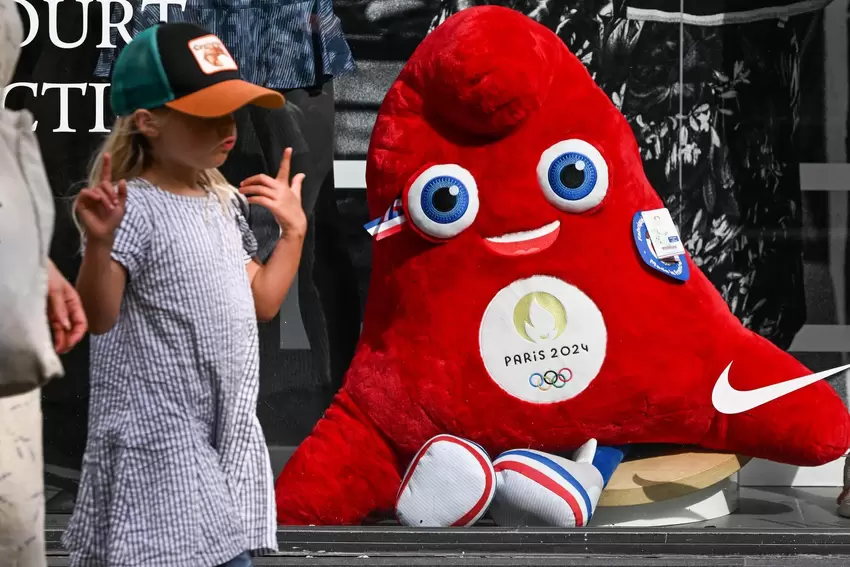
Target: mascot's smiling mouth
<point x="523" y="243"/>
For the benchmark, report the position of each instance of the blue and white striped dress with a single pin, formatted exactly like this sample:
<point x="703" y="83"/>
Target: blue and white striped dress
<point x="176" y="470"/>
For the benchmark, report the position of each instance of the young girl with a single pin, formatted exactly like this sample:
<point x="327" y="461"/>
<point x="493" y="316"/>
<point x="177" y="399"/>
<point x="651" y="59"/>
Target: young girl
<point x="176" y="470"/>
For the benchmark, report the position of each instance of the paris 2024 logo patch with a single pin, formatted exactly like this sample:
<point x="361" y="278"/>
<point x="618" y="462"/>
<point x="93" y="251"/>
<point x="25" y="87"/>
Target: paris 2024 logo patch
<point x="542" y="340"/>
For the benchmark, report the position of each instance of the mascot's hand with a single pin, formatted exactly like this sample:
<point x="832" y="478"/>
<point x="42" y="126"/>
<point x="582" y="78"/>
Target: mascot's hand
<point x="538" y="489"/>
<point x="450" y="482"/>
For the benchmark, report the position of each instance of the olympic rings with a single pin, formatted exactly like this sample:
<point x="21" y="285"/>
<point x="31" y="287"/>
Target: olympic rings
<point x="550" y="379"/>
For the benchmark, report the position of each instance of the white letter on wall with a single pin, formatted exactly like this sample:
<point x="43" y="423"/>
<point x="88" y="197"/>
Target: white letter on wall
<point x="163" y="7"/>
<point x="32" y="15"/>
<point x="63" y="101"/>
<point x="127" y="9"/>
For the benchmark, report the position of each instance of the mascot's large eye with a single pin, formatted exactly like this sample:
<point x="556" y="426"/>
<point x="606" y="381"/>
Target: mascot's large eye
<point x="573" y="176"/>
<point x="443" y="201"/>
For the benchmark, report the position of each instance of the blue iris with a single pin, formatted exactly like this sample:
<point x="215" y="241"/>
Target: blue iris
<point x="445" y="199"/>
<point x="572" y="176"/>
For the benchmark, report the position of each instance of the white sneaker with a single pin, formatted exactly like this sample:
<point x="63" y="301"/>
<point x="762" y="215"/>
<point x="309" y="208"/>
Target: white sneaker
<point x="844" y="497"/>
<point x="450" y="482"/>
<point x="538" y="489"/>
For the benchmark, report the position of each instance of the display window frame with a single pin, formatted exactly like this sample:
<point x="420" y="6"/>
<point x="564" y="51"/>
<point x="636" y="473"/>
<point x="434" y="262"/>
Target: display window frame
<point x="380" y="46"/>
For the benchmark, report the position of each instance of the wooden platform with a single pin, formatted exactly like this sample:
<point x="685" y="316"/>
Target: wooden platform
<point x="659" y="478"/>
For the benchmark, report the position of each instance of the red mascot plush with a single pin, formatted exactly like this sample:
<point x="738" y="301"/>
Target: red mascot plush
<point x="518" y="305"/>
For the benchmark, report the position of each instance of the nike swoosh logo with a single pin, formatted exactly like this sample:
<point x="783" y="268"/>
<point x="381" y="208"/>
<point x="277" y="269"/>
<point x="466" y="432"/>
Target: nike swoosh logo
<point x="728" y="400"/>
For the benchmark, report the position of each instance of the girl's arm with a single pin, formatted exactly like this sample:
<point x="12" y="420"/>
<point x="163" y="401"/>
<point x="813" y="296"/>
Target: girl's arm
<point x="100" y="211"/>
<point x="271" y="282"/>
<point x="100" y="284"/>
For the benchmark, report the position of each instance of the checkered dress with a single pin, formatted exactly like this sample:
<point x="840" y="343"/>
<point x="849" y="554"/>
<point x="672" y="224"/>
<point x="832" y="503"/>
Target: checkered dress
<point x="176" y="470"/>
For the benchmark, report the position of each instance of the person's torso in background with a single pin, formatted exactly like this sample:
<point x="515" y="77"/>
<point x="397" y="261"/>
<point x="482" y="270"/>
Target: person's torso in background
<point x="279" y="44"/>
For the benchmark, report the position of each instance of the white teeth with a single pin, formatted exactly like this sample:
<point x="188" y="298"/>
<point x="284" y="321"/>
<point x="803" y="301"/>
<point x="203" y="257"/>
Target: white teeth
<point x="527" y="235"/>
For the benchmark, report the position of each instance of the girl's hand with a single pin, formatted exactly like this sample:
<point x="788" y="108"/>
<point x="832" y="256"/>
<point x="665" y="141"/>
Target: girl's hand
<point x="64" y="311"/>
<point x="101" y="208"/>
<point x="280" y="196"/>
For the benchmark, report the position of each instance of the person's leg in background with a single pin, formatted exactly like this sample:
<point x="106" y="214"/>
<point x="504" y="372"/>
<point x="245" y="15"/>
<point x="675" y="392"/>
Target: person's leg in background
<point x="844" y="497"/>
<point x="21" y="481"/>
<point x="332" y="270"/>
<point x="306" y="349"/>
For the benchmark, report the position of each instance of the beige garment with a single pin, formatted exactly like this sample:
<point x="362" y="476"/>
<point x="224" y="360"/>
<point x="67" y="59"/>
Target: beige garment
<point x="27" y="359"/>
<point x="21" y="482"/>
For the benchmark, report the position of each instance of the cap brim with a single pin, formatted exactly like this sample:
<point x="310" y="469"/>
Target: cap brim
<point x="226" y="97"/>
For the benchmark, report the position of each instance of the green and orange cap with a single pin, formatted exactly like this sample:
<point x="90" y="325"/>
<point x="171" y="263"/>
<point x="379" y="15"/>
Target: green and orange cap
<point x="184" y="67"/>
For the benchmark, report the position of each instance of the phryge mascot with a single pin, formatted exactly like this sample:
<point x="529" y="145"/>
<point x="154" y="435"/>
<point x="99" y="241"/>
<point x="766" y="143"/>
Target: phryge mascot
<point x="519" y="309"/>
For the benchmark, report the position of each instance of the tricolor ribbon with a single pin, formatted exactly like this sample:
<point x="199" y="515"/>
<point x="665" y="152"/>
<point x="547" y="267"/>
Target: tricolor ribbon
<point x="390" y="223"/>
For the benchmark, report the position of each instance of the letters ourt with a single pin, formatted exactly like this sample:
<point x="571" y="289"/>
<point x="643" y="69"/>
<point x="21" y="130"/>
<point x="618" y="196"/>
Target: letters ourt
<point x="32" y="24"/>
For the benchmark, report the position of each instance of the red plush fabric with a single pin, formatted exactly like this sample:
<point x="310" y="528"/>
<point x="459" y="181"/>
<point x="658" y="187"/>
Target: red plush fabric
<point x="490" y="90"/>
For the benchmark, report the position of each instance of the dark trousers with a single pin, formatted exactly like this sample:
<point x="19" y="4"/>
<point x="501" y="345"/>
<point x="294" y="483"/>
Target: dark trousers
<point x="307" y="348"/>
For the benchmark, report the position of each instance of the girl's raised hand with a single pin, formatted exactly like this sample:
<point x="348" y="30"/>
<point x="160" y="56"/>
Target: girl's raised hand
<point x="280" y="196"/>
<point x="101" y="208"/>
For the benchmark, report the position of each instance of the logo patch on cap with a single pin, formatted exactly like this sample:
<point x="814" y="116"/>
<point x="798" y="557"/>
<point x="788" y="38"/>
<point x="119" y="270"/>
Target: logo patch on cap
<point x="211" y="54"/>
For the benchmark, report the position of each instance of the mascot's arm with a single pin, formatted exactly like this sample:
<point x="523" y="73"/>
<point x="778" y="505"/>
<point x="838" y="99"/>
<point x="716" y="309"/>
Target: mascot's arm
<point x="807" y="427"/>
<point x="343" y="472"/>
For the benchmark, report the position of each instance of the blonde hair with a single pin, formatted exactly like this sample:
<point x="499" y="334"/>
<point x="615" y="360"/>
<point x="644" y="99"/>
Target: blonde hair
<point x="131" y="156"/>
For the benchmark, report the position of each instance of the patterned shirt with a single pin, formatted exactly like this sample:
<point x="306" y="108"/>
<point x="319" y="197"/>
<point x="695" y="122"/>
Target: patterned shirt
<point x="176" y="472"/>
<point x="279" y="44"/>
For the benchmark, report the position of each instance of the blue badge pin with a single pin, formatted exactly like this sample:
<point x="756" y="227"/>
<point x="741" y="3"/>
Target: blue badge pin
<point x="677" y="269"/>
